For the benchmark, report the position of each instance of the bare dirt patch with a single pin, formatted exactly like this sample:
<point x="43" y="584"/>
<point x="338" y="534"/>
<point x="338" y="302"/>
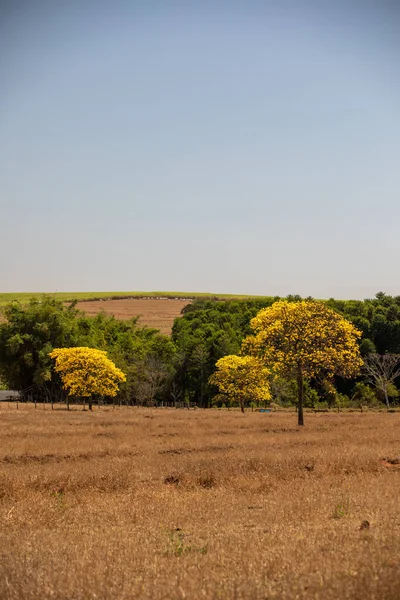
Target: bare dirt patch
<point x="154" y="312"/>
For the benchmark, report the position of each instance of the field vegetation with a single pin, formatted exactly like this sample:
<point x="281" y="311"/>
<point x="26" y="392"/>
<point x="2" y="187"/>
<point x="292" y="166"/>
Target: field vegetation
<point x="155" y="313"/>
<point x="179" y="368"/>
<point x="163" y="503"/>
<point x="132" y="502"/>
<point x="6" y="297"/>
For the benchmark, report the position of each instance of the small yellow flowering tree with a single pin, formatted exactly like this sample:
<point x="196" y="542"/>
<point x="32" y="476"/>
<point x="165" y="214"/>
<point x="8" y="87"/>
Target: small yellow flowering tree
<point x="87" y="371"/>
<point x="304" y="340"/>
<point x="242" y="378"/>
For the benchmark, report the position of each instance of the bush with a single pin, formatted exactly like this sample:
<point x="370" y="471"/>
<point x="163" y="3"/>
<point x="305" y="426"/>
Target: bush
<point x="341" y="401"/>
<point x="363" y="395"/>
<point x="321" y="406"/>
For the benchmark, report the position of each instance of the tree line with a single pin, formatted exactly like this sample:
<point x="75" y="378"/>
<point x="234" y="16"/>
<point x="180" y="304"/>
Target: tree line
<point x="181" y="368"/>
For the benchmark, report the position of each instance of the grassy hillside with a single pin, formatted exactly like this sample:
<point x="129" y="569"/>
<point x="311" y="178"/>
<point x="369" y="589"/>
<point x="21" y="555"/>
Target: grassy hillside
<point x="82" y="296"/>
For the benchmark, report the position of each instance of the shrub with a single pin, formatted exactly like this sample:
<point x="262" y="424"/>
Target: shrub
<point x="363" y="395"/>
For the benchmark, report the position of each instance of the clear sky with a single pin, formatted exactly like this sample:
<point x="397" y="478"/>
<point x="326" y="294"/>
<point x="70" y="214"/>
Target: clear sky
<point x="243" y="147"/>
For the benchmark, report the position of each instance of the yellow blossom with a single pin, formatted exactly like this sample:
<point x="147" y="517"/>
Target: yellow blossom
<point x="304" y="339"/>
<point x="87" y="371"/>
<point x="242" y="378"/>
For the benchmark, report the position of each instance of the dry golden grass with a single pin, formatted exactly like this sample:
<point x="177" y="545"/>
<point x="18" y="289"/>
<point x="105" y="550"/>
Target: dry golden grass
<point x="158" y="313"/>
<point x="173" y="504"/>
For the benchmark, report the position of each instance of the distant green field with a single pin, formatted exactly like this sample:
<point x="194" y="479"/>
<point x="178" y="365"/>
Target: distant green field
<point x="69" y="296"/>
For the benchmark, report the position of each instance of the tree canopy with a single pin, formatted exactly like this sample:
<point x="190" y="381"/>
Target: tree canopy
<point x="178" y="368"/>
<point x="30" y="332"/>
<point x="86" y="372"/>
<point x="304" y="340"/>
<point x="242" y="378"/>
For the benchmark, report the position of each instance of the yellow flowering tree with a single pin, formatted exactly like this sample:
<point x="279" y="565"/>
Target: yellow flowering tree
<point x="304" y="340"/>
<point x="242" y="378"/>
<point x="87" y="371"/>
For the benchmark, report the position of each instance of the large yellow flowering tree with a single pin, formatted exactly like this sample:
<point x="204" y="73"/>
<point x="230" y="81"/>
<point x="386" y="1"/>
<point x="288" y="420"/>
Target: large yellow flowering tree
<point x="242" y="378"/>
<point x="87" y="371"/>
<point x="304" y="340"/>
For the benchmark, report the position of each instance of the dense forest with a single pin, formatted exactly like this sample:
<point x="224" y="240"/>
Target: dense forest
<point x="177" y="369"/>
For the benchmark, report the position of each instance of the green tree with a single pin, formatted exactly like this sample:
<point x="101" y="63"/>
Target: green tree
<point x="27" y="336"/>
<point x="150" y="371"/>
<point x="207" y="331"/>
<point x="31" y="331"/>
<point x="363" y="395"/>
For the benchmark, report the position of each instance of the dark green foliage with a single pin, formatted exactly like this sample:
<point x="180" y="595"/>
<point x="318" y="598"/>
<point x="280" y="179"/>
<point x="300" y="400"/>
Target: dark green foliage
<point x="176" y="368"/>
<point x="207" y="331"/>
<point x="31" y="331"/>
<point x="284" y="393"/>
<point x="363" y="395"/>
<point x="27" y="336"/>
<point x="377" y="318"/>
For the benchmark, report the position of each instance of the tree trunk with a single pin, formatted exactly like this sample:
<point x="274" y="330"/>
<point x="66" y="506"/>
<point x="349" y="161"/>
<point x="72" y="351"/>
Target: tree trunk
<point x="386" y="398"/>
<point x="300" y="396"/>
<point x="242" y="405"/>
<point x="90" y="402"/>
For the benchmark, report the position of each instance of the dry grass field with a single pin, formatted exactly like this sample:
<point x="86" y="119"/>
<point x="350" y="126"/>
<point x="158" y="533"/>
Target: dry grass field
<point x="158" y="313"/>
<point x="173" y="504"/>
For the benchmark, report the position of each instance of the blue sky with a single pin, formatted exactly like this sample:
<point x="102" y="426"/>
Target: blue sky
<point x="249" y="147"/>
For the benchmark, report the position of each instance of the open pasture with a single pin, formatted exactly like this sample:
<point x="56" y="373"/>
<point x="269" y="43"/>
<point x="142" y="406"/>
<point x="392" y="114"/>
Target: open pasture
<point x="172" y="504"/>
<point x="157" y="313"/>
